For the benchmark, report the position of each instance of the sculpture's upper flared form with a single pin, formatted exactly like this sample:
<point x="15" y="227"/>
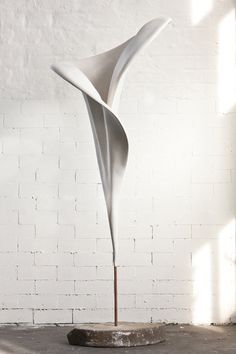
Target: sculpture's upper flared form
<point x="100" y="79"/>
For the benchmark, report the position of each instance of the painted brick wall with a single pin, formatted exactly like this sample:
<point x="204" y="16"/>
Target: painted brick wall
<point x="177" y="210"/>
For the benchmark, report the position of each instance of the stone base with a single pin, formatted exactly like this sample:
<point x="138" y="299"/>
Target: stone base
<point x="126" y="334"/>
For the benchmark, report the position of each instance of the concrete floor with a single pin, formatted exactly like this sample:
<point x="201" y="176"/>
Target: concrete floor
<point x="180" y="339"/>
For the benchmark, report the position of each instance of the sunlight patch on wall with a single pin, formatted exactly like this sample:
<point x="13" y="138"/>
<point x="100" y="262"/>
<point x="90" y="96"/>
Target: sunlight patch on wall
<point x="202" y="289"/>
<point x="226" y="263"/>
<point x="200" y="9"/>
<point x="226" y="63"/>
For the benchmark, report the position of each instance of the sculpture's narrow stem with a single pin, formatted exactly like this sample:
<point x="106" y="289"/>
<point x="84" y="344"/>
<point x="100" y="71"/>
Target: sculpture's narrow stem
<point x="115" y="298"/>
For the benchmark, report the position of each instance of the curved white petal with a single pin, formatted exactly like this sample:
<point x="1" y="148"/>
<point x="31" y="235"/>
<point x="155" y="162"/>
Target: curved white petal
<point x="137" y="43"/>
<point x="99" y="78"/>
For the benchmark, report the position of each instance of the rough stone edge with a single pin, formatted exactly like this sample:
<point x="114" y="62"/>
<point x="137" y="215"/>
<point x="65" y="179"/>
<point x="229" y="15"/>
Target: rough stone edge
<point x="117" y="337"/>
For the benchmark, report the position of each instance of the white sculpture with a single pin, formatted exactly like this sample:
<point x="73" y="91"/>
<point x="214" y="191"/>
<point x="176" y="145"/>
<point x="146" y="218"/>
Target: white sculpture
<point x="100" y="79"/>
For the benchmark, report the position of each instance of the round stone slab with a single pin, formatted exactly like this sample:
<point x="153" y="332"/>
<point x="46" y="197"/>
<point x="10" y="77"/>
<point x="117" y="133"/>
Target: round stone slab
<point x="126" y="334"/>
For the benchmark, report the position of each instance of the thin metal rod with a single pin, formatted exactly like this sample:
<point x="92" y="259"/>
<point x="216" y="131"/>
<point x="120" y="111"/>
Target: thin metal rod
<point x="115" y="298"/>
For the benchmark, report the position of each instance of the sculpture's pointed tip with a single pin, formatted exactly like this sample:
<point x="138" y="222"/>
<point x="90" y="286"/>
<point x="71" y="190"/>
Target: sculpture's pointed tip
<point x="160" y="21"/>
<point x="169" y="20"/>
<point x="156" y="25"/>
<point x="59" y="66"/>
<point x="53" y="67"/>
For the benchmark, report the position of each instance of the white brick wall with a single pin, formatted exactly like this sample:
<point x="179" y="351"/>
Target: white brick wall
<point x="177" y="209"/>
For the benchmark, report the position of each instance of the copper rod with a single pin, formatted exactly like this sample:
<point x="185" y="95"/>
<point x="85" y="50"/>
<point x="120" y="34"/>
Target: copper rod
<point x="115" y="298"/>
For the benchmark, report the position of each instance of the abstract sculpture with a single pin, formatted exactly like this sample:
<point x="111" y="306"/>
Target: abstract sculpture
<point x="100" y="79"/>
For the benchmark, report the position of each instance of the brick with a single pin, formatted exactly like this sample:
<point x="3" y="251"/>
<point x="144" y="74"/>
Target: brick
<point x="9" y="163"/>
<point x="53" y="316"/>
<point x="13" y="258"/>
<point x="51" y="259"/>
<point x="77" y="301"/>
<point x="105" y="245"/>
<point x="60" y="120"/>
<point x="90" y="316"/>
<point x="94" y="287"/>
<point x="29" y="244"/>
<point x="80" y="134"/>
<point x="9" y="190"/>
<point x="54" y="287"/>
<point x="32" y="217"/>
<point x="198" y="106"/>
<point x="76" y="245"/>
<point x="16" y="316"/>
<point x="140" y="315"/>
<point x="84" y="192"/>
<point x="172" y="287"/>
<point x="40" y="134"/>
<point x="132" y="259"/>
<point x="37" y="301"/>
<point x="16" y="203"/>
<point x="68" y="217"/>
<point x="54" y="230"/>
<point x="172" y="315"/>
<point x="76" y="273"/>
<point x="105" y="272"/>
<point x="10" y="106"/>
<point x="16" y="287"/>
<point x="8" y="244"/>
<point x="39" y="161"/>
<point x="206" y="231"/>
<point x="88" y="176"/>
<point x="24" y="120"/>
<point x="93" y="230"/>
<point x="107" y="301"/>
<point x="154" y="105"/>
<point x="22" y="146"/>
<point x="154" y="301"/>
<point x="76" y="161"/>
<point x="37" y="273"/>
<point x="135" y="286"/>
<point x="54" y="174"/>
<point x="26" y="174"/>
<point x="154" y="272"/>
<point x="183" y="272"/>
<point x="153" y="245"/>
<point x="8" y="272"/>
<point x="86" y="148"/>
<point x="9" y="301"/>
<point x="71" y="105"/>
<point x="183" y="246"/>
<point x="93" y="259"/>
<point x="173" y="231"/>
<point x="182" y="301"/>
<point x="38" y="189"/>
